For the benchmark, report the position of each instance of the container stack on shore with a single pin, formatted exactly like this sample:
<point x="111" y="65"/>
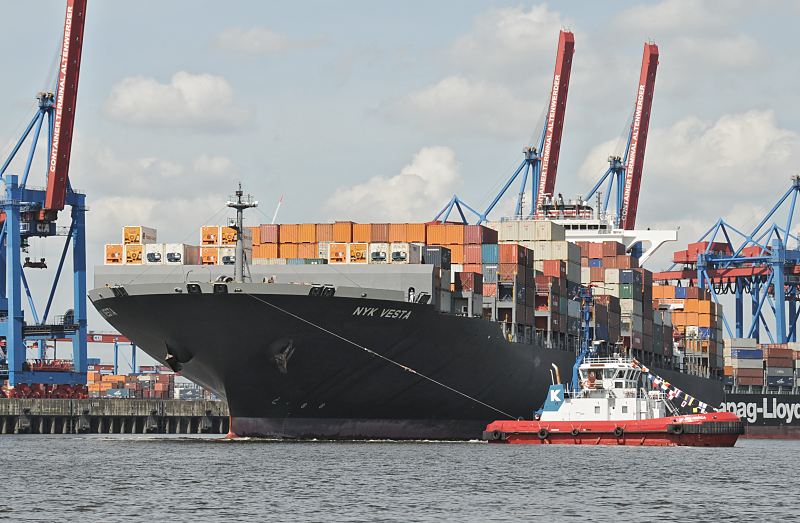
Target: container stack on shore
<point x="697" y="321"/>
<point x="155" y="382"/>
<point x="771" y="367"/>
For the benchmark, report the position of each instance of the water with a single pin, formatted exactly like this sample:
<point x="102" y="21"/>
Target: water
<point x="125" y="478"/>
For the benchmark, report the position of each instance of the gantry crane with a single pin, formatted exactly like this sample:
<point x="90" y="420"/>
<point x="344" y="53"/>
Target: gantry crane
<point x="761" y="263"/>
<point x="626" y="172"/>
<point x="539" y="163"/>
<point x="28" y="212"/>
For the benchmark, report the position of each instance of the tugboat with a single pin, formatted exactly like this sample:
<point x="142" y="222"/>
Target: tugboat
<point x="606" y="405"/>
<point x="610" y="408"/>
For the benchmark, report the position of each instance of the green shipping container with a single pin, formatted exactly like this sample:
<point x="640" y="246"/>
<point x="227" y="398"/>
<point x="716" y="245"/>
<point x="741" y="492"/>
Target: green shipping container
<point x="626" y="291"/>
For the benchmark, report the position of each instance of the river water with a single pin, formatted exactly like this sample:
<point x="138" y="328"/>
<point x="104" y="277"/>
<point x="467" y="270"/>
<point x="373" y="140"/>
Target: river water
<point x="136" y="478"/>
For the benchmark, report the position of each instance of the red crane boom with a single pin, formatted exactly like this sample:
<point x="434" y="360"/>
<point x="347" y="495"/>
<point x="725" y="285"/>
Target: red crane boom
<point x="64" y="119"/>
<point x="551" y="145"/>
<point x="638" y="143"/>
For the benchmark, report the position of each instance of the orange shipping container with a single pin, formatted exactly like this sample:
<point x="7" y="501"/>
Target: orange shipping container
<point x="287" y="250"/>
<point x="114" y="254"/>
<point x="307" y="233"/>
<point x="362" y="232"/>
<point x="456" y="253"/>
<point x="266" y="250"/>
<point x="209" y="235"/>
<point x="209" y="255"/>
<point x="227" y="235"/>
<point x="255" y="233"/>
<point x="290" y="233"/>
<point x="415" y="232"/>
<point x="690" y="305"/>
<point x="436" y="233"/>
<point x="691" y="318"/>
<point x="337" y="253"/>
<point x="343" y="232"/>
<point x="358" y="252"/>
<point x="133" y="254"/>
<point x="397" y="232"/>
<point x="307" y="250"/>
<point x="325" y="232"/>
<point x="705" y="320"/>
<point x="704" y="307"/>
<point x="678" y="318"/>
<point x="454" y="234"/>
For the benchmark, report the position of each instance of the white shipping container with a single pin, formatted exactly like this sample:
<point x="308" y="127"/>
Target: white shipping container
<point x="612" y="275"/>
<point x="379" y="253"/>
<point x="154" y="254"/>
<point x="406" y="253"/>
<point x="573" y="309"/>
<point x="740" y="343"/>
<point x="509" y="230"/>
<point x="455" y="268"/>
<point x="495" y="226"/>
<point x="181" y="254"/>
<point x="546" y="230"/>
<point x="631" y="307"/>
<point x="586" y="274"/>
<point x="526" y="231"/>
<point x="227" y="255"/>
<point x="269" y="261"/>
<point x="742" y="363"/>
<point x="323" y="249"/>
<point x="606" y="289"/>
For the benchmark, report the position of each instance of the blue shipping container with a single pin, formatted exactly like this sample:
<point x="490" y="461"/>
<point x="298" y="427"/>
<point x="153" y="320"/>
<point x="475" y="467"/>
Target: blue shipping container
<point x="296" y="261"/>
<point x="705" y="333"/>
<point x="680" y="292"/>
<point x="595" y="262"/>
<point x="747" y="354"/>
<point x="780" y="381"/>
<point x="490" y="253"/>
<point x="92" y="361"/>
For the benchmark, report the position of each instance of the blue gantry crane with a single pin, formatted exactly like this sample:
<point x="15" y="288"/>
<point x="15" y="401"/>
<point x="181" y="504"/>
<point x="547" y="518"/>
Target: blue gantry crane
<point x="760" y="264"/>
<point x="31" y="212"/>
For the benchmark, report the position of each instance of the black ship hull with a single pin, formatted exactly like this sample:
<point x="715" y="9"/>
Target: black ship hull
<point x="299" y="366"/>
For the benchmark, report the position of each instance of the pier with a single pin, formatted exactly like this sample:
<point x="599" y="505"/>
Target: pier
<point x="112" y="416"/>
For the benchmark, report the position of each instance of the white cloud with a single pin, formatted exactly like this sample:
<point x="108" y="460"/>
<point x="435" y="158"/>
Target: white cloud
<point x="510" y="41"/>
<point x="458" y="105"/>
<point x="199" y="101"/>
<point x="261" y="41"/>
<point x="724" y="52"/>
<point x="422" y="186"/>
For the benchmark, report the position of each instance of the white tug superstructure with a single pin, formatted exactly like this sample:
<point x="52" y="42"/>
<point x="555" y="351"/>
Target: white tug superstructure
<point x="610" y="389"/>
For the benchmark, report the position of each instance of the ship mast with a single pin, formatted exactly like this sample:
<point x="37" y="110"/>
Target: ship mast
<point x="240" y="204"/>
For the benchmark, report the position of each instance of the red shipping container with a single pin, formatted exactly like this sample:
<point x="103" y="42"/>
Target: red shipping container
<point x="380" y="233"/>
<point x="490" y="289"/>
<point x="627" y="262"/>
<point x="595" y="250"/>
<point x="611" y="248"/>
<point x="269" y="233"/>
<point x="609" y="262"/>
<point x="472" y="253"/>
<point x="777" y="352"/>
<point x="584" y="261"/>
<point x="513" y="253"/>
<point x="750" y="381"/>
<point x="554" y="268"/>
<point x="479" y="234"/>
<point x="597" y="274"/>
<point x="584" y="246"/>
<point x="469" y="282"/>
<point x="473" y="267"/>
<point x="510" y="272"/>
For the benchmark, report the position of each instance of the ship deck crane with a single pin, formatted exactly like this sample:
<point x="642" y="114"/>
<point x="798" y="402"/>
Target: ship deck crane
<point x="540" y="163"/>
<point x="726" y="260"/>
<point x="28" y="212"/>
<point x="626" y="172"/>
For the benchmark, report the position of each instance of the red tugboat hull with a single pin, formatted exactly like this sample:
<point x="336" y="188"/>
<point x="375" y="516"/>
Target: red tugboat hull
<point x="715" y="429"/>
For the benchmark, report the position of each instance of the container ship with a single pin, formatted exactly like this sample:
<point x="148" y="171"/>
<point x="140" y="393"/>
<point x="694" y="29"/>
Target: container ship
<point x="402" y="331"/>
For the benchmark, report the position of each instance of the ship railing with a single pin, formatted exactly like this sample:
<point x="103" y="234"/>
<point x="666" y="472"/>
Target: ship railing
<point x="607" y="360"/>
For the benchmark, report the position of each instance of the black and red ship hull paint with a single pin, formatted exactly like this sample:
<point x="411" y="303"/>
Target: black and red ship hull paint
<point x="284" y="377"/>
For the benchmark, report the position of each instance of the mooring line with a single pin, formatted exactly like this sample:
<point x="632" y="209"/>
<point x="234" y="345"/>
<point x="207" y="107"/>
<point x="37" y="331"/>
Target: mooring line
<point x="381" y="356"/>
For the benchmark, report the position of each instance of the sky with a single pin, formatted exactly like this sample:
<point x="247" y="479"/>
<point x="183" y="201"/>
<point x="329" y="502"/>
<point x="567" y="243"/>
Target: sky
<point x="380" y="111"/>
